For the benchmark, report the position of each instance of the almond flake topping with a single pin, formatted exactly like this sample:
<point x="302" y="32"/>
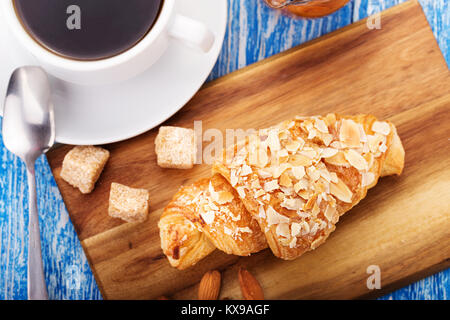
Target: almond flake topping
<point x="341" y="191"/>
<point x="208" y="216"/>
<point x="300" y="160"/>
<point x="293" y="243"/>
<point x="321" y="126"/>
<point x="233" y="178"/>
<point x="246" y="170"/>
<point x="328" y="152"/>
<point x="227" y="231"/>
<point x="349" y="133"/>
<point x="271" y="186"/>
<point x="262" y="213"/>
<point x="283" y="230"/>
<point x="295" y="229"/>
<point x="292" y="204"/>
<point x="356" y="160"/>
<point x="381" y="127"/>
<point x="367" y="179"/>
<point x="298" y="172"/>
<point x="301" y="185"/>
<point x="338" y="160"/>
<point x="259" y="193"/>
<point x="313" y="173"/>
<point x="278" y="170"/>
<point x="241" y="191"/>
<point x="285" y="180"/>
<point x="274" y="217"/>
<point x="273" y="140"/>
<point x="293" y="146"/>
<point x="330" y="213"/>
<point x="264" y="174"/>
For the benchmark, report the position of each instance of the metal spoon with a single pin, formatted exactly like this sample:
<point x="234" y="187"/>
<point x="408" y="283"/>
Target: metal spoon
<point x="29" y="131"/>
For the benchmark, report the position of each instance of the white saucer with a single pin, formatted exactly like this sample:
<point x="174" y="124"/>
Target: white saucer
<point x="105" y="114"/>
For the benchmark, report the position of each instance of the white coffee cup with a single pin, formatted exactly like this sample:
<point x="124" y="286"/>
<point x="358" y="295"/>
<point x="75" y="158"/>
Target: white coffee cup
<point x="125" y="65"/>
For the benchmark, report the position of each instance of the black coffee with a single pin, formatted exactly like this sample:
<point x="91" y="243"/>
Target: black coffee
<point x="88" y="29"/>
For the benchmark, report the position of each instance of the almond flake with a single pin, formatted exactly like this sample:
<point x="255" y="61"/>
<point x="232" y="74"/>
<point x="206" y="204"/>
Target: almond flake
<point x="255" y="184"/>
<point x="338" y="160"/>
<point x="298" y="172"/>
<point x="285" y="180"/>
<point x="300" y="160"/>
<point x="313" y="173"/>
<point x="293" y="146"/>
<point x="305" y="227"/>
<point x="316" y="210"/>
<point x="375" y="142"/>
<point x="292" y="204"/>
<point x="259" y="193"/>
<point x="278" y="170"/>
<point x="349" y="133"/>
<point x="282" y="230"/>
<point x="362" y="133"/>
<point x="312" y="134"/>
<point x="311" y="154"/>
<point x="334" y="177"/>
<point x="327" y="138"/>
<point x="330" y="213"/>
<point x="287" y="190"/>
<point x="356" y="160"/>
<point x="381" y="127"/>
<point x="262" y="213"/>
<point x="264" y="174"/>
<point x="227" y="231"/>
<point x="301" y="185"/>
<point x="244" y="230"/>
<point x="321" y="126"/>
<point x="233" y="178"/>
<point x="295" y="229"/>
<point x="367" y="179"/>
<point x="241" y="192"/>
<point x="273" y="140"/>
<point x="328" y="152"/>
<point x="224" y="197"/>
<point x="341" y="191"/>
<point x="293" y="243"/>
<point x="274" y="217"/>
<point x="271" y="186"/>
<point x="246" y="170"/>
<point x="208" y="216"/>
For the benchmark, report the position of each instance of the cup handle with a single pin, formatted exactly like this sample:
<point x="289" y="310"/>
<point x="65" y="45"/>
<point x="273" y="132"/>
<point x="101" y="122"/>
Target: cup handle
<point x="192" y="33"/>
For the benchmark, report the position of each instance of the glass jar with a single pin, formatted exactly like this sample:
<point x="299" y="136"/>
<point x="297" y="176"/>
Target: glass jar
<point x="308" y="8"/>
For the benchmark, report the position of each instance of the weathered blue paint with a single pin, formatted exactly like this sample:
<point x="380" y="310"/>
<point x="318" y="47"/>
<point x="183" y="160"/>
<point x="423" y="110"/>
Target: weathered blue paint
<point x="254" y="32"/>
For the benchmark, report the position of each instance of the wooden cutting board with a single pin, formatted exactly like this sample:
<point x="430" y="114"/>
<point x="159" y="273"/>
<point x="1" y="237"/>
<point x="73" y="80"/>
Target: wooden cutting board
<point x="402" y="226"/>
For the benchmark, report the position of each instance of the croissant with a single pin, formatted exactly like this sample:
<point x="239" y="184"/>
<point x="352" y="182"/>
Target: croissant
<point x="283" y="187"/>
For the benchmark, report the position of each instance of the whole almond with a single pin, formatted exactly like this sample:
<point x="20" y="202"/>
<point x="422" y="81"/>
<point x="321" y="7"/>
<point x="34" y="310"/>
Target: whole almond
<point x="209" y="287"/>
<point x="250" y="287"/>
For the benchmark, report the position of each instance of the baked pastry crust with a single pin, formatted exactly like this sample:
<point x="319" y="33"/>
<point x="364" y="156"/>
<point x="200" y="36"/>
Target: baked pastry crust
<point x="297" y="178"/>
<point x="207" y="215"/>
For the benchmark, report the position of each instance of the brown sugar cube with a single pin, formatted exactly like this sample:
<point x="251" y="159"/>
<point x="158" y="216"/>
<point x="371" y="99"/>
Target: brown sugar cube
<point x="83" y="165"/>
<point x="127" y="203"/>
<point x="175" y="147"/>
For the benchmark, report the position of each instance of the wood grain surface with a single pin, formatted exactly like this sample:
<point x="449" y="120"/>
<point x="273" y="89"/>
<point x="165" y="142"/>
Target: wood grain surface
<point x="403" y="226"/>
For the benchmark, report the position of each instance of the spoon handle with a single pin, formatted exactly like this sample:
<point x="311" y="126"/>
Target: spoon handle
<point x="37" y="289"/>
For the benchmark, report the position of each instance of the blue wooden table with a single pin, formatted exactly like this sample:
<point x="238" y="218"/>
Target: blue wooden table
<point x="254" y="32"/>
